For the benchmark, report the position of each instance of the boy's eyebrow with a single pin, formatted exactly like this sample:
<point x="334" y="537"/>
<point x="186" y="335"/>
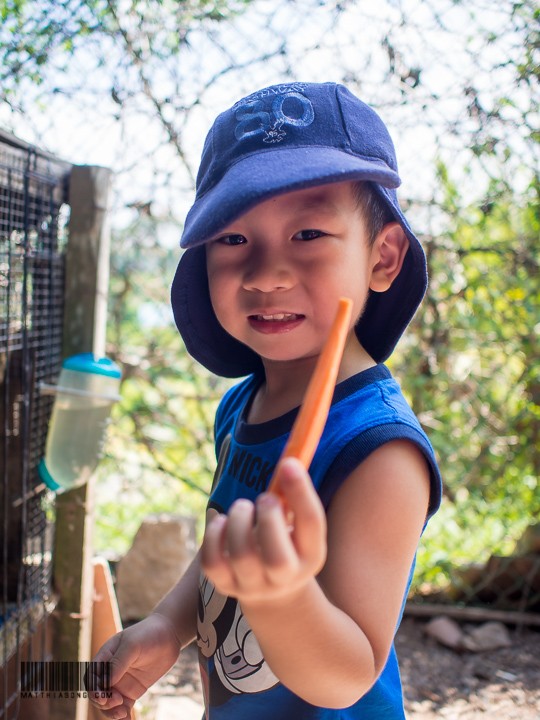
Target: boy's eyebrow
<point x="317" y="200"/>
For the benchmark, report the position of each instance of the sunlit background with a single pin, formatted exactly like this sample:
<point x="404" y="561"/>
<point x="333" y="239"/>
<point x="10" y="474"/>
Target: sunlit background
<point x="134" y="86"/>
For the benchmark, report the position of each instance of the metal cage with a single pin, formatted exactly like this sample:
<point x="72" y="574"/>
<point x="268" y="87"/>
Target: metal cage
<point x="33" y="217"/>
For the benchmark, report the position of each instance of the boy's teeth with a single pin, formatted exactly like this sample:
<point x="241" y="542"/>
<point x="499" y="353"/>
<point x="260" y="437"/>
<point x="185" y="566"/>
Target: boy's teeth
<point x="277" y="316"/>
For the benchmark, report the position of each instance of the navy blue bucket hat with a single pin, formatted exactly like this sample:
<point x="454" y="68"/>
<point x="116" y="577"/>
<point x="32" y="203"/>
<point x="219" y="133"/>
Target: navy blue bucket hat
<point x="284" y="138"/>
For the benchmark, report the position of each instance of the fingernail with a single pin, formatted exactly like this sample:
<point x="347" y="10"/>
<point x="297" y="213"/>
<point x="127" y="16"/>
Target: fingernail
<point x="291" y="461"/>
<point x="241" y="503"/>
<point x="267" y="500"/>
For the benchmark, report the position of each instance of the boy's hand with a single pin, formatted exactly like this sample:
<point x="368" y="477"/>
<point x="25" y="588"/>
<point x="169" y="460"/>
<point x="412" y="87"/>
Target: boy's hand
<point x="267" y="552"/>
<point x="139" y="655"/>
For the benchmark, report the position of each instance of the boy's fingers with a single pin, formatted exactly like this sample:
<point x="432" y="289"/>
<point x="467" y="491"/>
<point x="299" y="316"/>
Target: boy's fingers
<point x="276" y="549"/>
<point x="241" y="547"/>
<point x="108" y="649"/>
<point x="117" y="713"/>
<point x="115" y="654"/>
<point x="309" y="527"/>
<point x="239" y="535"/>
<point x="121" y="660"/>
<point x="213" y="543"/>
<point x="121" y="655"/>
<point x="213" y="552"/>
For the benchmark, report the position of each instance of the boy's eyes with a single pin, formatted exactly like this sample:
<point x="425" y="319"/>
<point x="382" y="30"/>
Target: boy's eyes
<point x="232" y="240"/>
<point x="308" y="234"/>
<point x="236" y="239"/>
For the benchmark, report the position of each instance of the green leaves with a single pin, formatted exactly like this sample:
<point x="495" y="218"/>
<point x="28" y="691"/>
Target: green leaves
<point x="38" y="37"/>
<point x="461" y="76"/>
<point x="479" y="330"/>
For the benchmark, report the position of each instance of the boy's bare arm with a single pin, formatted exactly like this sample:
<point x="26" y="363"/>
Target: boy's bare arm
<point x="326" y="639"/>
<point x="179" y="606"/>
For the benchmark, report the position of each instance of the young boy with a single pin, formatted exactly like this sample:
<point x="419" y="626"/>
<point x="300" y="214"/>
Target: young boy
<point x="295" y="613"/>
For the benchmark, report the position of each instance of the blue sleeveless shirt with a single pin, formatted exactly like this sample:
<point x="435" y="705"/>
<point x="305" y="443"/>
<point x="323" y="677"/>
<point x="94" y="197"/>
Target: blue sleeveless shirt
<point x="367" y="411"/>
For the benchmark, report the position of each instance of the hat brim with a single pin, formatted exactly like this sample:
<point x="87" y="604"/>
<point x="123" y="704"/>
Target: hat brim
<point x="272" y="172"/>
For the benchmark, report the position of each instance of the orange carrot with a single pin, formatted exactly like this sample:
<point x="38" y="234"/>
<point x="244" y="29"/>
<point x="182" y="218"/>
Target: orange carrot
<point x="311" y="419"/>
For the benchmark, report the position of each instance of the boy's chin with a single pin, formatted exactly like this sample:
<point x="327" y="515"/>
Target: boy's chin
<point x="286" y="360"/>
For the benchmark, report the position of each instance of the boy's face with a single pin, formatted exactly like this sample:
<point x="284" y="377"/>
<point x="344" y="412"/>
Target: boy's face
<point x="276" y="274"/>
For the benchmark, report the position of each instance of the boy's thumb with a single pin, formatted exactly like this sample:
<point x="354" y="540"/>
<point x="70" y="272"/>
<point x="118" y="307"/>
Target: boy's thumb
<point x="121" y="658"/>
<point x="116" y="654"/>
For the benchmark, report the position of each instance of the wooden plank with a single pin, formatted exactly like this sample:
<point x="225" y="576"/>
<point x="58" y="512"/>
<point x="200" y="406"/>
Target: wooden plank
<point x="105" y="618"/>
<point x="87" y="262"/>
<point x="105" y="613"/>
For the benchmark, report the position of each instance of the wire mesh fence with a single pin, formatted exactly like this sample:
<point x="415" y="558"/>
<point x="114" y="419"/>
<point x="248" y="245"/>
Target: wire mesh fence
<point x="33" y="215"/>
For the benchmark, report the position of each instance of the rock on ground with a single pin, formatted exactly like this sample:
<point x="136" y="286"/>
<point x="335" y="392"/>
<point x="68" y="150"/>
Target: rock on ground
<point x="162" y="549"/>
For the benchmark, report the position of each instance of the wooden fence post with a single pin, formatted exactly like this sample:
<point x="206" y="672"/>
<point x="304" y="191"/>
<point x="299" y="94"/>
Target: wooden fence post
<point x="87" y="275"/>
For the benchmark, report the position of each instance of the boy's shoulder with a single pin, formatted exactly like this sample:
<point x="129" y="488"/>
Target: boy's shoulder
<point x="369" y="412"/>
<point x="236" y="395"/>
<point x="233" y="401"/>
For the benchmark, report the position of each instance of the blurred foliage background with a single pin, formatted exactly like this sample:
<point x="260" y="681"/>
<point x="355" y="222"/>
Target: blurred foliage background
<point x="134" y="86"/>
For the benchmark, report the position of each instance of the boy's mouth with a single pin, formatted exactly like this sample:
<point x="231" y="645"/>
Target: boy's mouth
<point x="275" y="322"/>
<point x="278" y="317"/>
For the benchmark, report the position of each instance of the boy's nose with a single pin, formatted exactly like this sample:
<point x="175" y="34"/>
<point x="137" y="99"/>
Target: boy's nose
<point x="267" y="273"/>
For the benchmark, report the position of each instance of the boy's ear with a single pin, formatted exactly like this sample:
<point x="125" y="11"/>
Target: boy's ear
<point x="389" y="248"/>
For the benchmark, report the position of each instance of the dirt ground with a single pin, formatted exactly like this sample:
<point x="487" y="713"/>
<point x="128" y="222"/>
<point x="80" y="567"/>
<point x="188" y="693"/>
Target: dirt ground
<point x="439" y="683"/>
